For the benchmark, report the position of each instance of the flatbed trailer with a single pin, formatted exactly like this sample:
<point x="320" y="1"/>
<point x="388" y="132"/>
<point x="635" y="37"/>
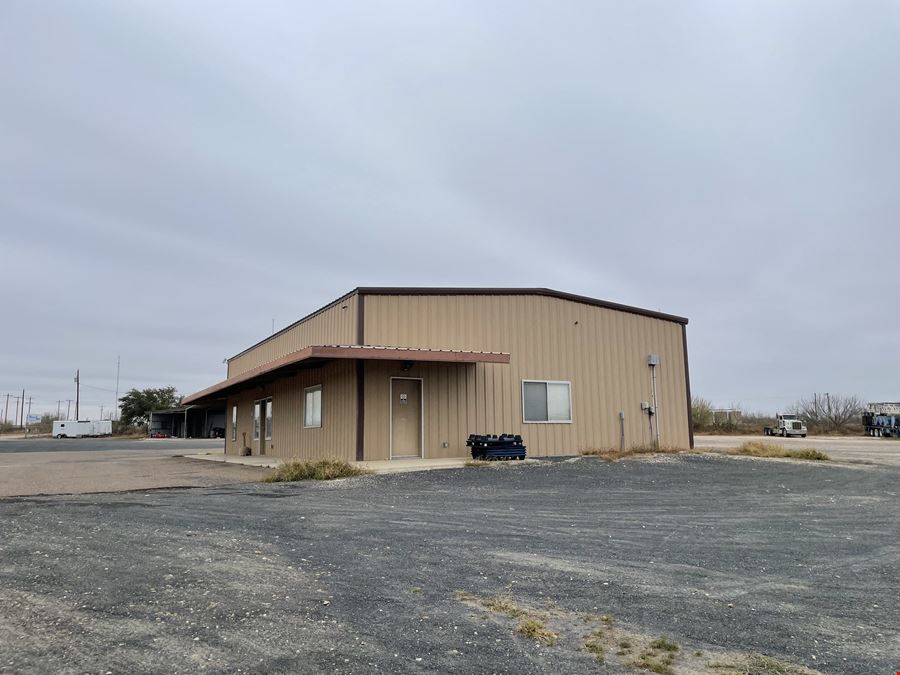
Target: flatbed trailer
<point x="882" y="420"/>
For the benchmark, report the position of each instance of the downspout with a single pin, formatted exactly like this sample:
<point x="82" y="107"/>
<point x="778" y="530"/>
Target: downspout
<point x="655" y="401"/>
<point x="687" y="386"/>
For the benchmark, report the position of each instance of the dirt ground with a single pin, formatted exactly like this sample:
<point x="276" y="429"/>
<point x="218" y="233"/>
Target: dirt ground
<point x="723" y="557"/>
<point x="855" y="449"/>
<point x="77" y="466"/>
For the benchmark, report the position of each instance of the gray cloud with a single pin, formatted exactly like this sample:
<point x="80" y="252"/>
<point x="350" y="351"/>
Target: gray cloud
<point x="172" y="176"/>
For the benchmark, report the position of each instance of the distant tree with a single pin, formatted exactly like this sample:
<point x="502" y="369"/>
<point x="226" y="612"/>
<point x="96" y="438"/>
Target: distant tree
<point x="137" y="404"/>
<point x="45" y="426"/>
<point x="701" y="413"/>
<point x="832" y="412"/>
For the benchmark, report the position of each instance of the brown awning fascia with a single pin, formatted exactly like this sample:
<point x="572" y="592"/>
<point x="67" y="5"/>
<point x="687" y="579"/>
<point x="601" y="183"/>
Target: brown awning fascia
<point x="366" y="352"/>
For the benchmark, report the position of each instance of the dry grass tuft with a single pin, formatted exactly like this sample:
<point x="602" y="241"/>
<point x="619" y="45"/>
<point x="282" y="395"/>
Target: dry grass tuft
<point x="664" y="644"/>
<point x="535" y="630"/>
<point x="503" y="604"/>
<point x="594" y="646"/>
<point x="651" y="661"/>
<point x="757" y="664"/>
<point x="465" y="596"/>
<point x="611" y="455"/>
<point x="762" y="449"/>
<point x="477" y="462"/>
<point x="324" y="469"/>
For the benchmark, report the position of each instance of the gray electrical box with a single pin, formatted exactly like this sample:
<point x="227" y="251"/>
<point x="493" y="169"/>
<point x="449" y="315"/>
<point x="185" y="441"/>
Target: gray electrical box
<point x="653" y="360"/>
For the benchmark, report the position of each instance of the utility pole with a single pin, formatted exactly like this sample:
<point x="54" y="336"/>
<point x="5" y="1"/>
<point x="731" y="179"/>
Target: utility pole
<point x="77" y="393"/>
<point x="118" y="363"/>
<point x="16" y="418"/>
<point x="101" y="411"/>
<point x="68" y="408"/>
<point x="29" y="409"/>
<point x="6" y="410"/>
<point x="58" y="406"/>
<point x="22" y="413"/>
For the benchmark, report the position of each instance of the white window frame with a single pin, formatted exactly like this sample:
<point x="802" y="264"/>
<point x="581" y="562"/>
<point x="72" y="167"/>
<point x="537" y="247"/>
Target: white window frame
<point x="568" y="383"/>
<point x="306" y="391"/>
<point x="234" y="419"/>
<point x="269" y="414"/>
<point x="257" y="422"/>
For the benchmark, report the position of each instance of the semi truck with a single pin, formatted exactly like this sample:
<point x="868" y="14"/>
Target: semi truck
<point x="787" y="424"/>
<point x="82" y="428"/>
<point x="882" y="420"/>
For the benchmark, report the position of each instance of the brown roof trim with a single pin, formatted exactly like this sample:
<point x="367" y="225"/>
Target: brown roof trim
<point x="306" y="318"/>
<point x="377" y="352"/>
<point x="548" y="292"/>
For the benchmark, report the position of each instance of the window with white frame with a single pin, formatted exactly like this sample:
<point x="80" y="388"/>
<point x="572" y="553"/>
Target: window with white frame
<point x="234" y="422"/>
<point x="546" y="401"/>
<point x="312" y="407"/>
<point x="256" y="420"/>
<point x="269" y="422"/>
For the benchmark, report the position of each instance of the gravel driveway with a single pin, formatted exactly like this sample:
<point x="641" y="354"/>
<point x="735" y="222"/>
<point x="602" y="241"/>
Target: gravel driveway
<point x="384" y="573"/>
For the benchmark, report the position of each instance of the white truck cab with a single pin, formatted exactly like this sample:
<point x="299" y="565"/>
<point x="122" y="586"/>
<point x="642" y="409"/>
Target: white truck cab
<point x="787" y="424"/>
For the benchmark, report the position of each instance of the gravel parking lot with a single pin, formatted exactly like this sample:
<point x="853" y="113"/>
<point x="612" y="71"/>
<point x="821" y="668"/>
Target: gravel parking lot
<point x="852" y="449"/>
<point x="79" y="466"/>
<point x="796" y="560"/>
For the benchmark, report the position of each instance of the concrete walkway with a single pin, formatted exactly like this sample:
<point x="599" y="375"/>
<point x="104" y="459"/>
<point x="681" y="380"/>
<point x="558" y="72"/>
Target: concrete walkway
<point x="386" y="466"/>
<point x="252" y="460"/>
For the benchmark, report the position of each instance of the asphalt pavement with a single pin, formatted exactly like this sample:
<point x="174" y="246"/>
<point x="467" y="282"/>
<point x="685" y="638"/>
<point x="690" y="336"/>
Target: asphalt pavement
<point x="160" y="446"/>
<point x="791" y="559"/>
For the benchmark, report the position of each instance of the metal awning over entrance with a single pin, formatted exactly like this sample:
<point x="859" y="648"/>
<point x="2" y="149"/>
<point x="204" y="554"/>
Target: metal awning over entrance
<point x="317" y="355"/>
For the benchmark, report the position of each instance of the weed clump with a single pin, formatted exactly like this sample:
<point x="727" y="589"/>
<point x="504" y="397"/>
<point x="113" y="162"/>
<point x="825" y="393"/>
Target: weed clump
<point x="810" y="454"/>
<point x="758" y="664"/>
<point x="503" y="604"/>
<point x="656" y="664"/>
<point x="535" y="630"/>
<point x="664" y="644"/>
<point x="595" y="647"/>
<point x="476" y="462"/>
<point x="611" y="455"/>
<point x="761" y="449"/>
<point x="323" y="469"/>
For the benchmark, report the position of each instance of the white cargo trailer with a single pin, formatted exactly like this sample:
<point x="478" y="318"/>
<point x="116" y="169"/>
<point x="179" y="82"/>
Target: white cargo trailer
<point x="82" y="428"/>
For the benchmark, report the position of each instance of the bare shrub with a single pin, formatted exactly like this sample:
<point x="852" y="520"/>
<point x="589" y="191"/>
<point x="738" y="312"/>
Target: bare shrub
<point x="830" y="413"/>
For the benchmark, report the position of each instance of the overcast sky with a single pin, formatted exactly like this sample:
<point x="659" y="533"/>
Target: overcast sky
<point x="173" y="175"/>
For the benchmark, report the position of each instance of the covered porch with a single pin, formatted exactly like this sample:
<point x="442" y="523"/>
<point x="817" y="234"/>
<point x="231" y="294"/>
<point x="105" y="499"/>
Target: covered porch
<point x="353" y="402"/>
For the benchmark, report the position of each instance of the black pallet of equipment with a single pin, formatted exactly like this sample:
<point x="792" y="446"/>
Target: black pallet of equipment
<point x="504" y="446"/>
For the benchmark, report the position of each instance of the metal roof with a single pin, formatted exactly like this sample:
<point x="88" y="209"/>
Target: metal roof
<point x="431" y="290"/>
<point x="321" y="353"/>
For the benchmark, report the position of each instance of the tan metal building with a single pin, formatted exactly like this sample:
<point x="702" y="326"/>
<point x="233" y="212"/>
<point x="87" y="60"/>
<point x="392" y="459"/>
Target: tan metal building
<point x="384" y="373"/>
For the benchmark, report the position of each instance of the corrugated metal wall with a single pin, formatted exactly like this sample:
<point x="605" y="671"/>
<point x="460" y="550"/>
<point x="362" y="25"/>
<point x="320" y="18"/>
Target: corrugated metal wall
<point x="602" y="352"/>
<point x="244" y="402"/>
<point x="333" y="326"/>
<point x="336" y="438"/>
<point x="448" y="392"/>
